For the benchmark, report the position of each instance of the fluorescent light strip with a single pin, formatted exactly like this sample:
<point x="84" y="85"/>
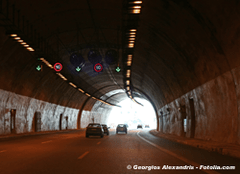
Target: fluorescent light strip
<point x="136" y="11"/>
<point x="131" y="45"/>
<point x="70" y="83"/>
<point x="46" y="62"/>
<point x="30" y="49"/>
<point x="136" y="2"/>
<point x="88" y="95"/>
<point x="128" y="72"/>
<point x="13" y="35"/>
<point x="61" y="76"/>
<point x="82" y="91"/>
<point x="137" y="7"/>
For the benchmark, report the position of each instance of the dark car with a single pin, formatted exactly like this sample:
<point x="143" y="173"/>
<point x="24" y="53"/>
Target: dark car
<point x="105" y="128"/>
<point x="121" y="128"/>
<point x="94" y="129"/>
<point x="139" y="126"/>
<point x="147" y="126"/>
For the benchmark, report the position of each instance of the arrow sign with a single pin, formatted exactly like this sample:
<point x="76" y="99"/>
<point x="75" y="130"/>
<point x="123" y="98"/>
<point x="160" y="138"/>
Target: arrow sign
<point x="78" y="69"/>
<point x="118" y="69"/>
<point x="38" y="68"/>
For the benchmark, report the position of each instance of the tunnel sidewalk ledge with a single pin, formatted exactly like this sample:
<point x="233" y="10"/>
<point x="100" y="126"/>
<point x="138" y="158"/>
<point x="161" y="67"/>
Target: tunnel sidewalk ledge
<point x="39" y="133"/>
<point x="222" y="148"/>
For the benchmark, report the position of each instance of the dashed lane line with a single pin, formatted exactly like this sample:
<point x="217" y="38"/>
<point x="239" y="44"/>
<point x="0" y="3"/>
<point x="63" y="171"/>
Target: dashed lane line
<point x="177" y="156"/>
<point x="83" y="155"/>
<point x="46" y="141"/>
<point x="2" y="151"/>
<point x="99" y="142"/>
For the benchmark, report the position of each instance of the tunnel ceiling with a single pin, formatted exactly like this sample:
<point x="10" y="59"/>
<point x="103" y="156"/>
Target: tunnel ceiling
<point x="179" y="45"/>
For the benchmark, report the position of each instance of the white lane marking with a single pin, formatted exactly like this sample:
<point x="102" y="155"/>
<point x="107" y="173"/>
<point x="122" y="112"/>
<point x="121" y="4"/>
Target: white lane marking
<point x="46" y="141"/>
<point x="81" y="157"/>
<point x="177" y="156"/>
<point x="2" y="151"/>
<point x="99" y="142"/>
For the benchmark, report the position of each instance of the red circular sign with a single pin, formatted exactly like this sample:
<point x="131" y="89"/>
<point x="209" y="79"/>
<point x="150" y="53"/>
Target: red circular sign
<point x="57" y="66"/>
<point x="98" y="67"/>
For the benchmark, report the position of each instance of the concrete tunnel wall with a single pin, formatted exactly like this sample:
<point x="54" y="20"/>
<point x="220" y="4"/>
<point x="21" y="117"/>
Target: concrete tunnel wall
<point x="210" y="78"/>
<point x="216" y="108"/>
<point x="26" y="108"/>
<point x="28" y="91"/>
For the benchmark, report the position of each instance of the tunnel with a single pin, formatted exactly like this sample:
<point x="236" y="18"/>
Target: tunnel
<point x="65" y="64"/>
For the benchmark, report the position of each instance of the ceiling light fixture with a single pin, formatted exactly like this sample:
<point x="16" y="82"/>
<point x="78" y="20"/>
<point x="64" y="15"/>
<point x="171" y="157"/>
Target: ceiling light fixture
<point x="88" y="95"/>
<point x="30" y="49"/>
<point x="136" y="6"/>
<point x="131" y="45"/>
<point x="136" y="2"/>
<point x="64" y="78"/>
<point x="13" y="35"/>
<point x="70" y="83"/>
<point x="136" y="11"/>
<point x="82" y="91"/>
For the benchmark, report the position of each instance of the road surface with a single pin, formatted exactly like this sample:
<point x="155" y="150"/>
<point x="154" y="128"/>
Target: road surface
<point x="135" y="152"/>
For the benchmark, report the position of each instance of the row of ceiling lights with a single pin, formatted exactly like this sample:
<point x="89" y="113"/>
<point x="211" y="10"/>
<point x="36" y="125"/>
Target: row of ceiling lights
<point x="134" y="8"/>
<point x="24" y="44"/>
<point x="18" y="39"/>
<point x="73" y="85"/>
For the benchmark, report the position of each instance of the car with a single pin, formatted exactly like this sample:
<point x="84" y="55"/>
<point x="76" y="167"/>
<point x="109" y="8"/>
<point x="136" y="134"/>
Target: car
<point x="94" y="129"/>
<point x="121" y="128"/>
<point x="139" y="126"/>
<point x="105" y="128"/>
<point x="147" y="126"/>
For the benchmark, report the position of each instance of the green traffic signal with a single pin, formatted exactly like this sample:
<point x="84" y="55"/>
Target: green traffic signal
<point x="118" y="69"/>
<point x="39" y="68"/>
<point x="78" y="69"/>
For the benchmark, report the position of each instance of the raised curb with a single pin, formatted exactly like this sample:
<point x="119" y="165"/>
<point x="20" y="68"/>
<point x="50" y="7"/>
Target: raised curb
<point x="38" y="133"/>
<point x="224" y="149"/>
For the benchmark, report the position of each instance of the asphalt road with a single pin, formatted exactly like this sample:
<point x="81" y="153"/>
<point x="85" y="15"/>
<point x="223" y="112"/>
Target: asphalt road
<point x="135" y="152"/>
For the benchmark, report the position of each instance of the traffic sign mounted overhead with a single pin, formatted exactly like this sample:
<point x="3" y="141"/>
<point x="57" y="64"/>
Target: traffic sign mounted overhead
<point x="98" y="67"/>
<point x="57" y="67"/>
<point x="118" y="69"/>
<point x="38" y="67"/>
<point x="78" y="69"/>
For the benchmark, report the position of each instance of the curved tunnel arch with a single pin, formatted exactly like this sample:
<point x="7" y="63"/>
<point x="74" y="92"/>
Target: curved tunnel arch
<point x="192" y="48"/>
